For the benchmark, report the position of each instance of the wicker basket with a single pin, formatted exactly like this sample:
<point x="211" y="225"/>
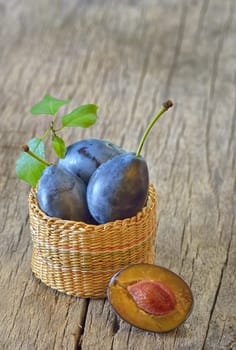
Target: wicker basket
<point x="79" y="259"/>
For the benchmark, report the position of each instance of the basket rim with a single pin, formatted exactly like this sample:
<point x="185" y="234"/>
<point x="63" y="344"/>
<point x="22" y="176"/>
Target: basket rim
<point x="151" y="202"/>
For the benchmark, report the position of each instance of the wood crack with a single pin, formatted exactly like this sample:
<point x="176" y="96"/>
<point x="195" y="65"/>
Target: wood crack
<point x="215" y="68"/>
<point x="177" y="148"/>
<point x="66" y="322"/>
<point x="180" y="36"/>
<point x="204" y="8"/>
<point x="182" y="237"/>
<point x="213" y="307"/>
<point x="79" y="340"/>
<point x="17" y="310"/>
<point x="141" y="80"/>
<point x="233" y="126"/>
<point x="218" y="286"/>
<point x="115" y="329"/>
<point x="128" y="337"/>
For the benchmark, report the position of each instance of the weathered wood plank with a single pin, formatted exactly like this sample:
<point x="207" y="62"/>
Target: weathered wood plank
<point x="127" y="57"/>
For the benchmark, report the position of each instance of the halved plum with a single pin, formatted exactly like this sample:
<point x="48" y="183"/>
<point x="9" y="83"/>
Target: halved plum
<point x="150" y="297"/>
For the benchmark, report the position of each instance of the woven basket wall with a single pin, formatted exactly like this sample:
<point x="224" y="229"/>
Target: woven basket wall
<point x="79" y="259"/>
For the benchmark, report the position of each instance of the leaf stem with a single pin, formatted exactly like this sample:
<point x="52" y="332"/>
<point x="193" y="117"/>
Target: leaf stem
<point x="165" y="106"/>
<point x="59" y="129"/>
<point x="45" y="134"/>
<point x="52" y="126"/>
<point x="26" y="149"/>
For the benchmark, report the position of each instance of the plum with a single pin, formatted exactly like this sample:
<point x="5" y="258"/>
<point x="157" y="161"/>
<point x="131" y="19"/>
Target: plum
<point x="63" y="195"/>
<point x="84" y="157"/>
<point x="118" y="189"/>
<point x="150" y="297"/>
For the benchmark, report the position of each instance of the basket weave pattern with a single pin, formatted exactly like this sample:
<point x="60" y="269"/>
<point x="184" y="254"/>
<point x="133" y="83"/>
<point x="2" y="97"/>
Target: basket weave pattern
<point x="79" y="259"/>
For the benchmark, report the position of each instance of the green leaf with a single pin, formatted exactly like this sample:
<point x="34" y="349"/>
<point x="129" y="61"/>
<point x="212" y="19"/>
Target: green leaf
<point x="58" y="146"/>
<point x="29" y="169"/>
<point x="83" y="116"/>
<point x="48" y="105"/>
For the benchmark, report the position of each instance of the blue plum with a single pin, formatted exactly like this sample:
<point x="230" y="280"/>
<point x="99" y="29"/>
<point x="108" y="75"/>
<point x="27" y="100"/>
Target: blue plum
<point x="118" y="188"/>
<point x="84" y="157"/>
<point x="63" y="195"/>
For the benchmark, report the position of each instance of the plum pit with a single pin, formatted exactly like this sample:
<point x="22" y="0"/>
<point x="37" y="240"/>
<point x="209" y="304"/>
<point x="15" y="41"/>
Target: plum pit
<point x="152" y="297"/>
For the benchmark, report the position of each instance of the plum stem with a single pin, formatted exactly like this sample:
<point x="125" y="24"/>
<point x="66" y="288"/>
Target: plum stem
<point x="26" y="149"/>
<point x="165" y="106"/>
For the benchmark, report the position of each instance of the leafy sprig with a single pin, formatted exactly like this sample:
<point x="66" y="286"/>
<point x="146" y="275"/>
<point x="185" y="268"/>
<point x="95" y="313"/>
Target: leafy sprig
<point x="32" y="162"/>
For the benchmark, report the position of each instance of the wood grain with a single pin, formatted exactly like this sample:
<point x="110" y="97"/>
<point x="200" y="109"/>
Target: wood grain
<point x="128" y="57"/>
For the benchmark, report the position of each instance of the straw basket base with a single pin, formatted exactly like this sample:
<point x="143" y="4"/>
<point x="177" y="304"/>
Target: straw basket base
<point x="78" y="283"/>
<point x="79" y="259"/>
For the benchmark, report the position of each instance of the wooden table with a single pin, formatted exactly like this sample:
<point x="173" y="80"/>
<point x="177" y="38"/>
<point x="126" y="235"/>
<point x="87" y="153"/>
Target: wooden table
<point x="128" y="57"/>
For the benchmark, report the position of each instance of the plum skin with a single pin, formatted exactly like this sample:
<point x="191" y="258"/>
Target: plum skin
<point x="118" y="189"/>
<point x="82" y="158"/>
<point x="63" y="195"/>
